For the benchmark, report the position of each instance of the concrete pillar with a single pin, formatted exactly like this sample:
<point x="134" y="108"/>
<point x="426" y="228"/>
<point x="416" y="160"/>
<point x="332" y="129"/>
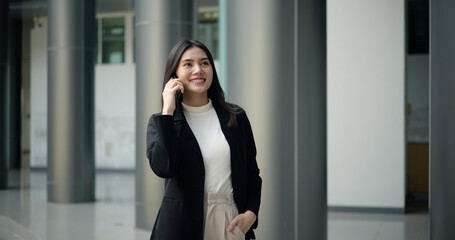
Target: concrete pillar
<point x="14" y="93"/>
<point x="311" y="120"/>
<point x="3" y="94"/>
<point x="442" y="118"/>
<point x="71" y="142"/>
<point x="25" y="101"/>
<point x="159" y="25"/>
<point x="276" y="68"/>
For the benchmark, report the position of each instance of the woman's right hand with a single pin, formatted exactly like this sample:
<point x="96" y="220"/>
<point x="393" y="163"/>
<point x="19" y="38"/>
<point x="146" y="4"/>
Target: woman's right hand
<point x="170" y="89"/>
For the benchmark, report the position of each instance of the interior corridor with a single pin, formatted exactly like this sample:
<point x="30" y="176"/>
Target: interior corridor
<point x="26" y="214"/>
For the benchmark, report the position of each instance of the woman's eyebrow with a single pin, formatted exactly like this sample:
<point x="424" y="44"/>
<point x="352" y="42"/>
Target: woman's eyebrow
<point x="190" y="60"/>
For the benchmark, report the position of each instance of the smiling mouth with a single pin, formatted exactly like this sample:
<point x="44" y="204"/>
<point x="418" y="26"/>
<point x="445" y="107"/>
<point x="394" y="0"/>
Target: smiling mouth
<point x="197" y="80"/>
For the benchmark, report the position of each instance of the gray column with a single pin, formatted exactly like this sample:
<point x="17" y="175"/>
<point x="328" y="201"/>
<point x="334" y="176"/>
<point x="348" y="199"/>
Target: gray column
<point x="71" y="55"/>
<point x="3" y="94"/>
<point x="159" y="25"/>
<point x="442" y="119"/>
<point x="276" y="69"/>
<point x="311" y="120"/>
<point x="14" y="93"/>
<point x="25" y="102"/>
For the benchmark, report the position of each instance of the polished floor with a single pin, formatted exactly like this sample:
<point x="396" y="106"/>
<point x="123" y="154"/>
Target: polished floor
<point x="25" y="214"/>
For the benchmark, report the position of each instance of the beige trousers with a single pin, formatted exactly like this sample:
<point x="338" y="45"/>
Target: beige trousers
<point x="219" y="210"/>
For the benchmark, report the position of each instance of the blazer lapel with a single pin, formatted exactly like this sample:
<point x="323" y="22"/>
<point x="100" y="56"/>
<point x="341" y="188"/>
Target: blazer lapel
<point x="224" y="117"/>
<point x="184" y="131"/>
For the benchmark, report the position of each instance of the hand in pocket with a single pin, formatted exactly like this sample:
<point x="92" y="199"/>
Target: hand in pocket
<point x="244" y="221"/>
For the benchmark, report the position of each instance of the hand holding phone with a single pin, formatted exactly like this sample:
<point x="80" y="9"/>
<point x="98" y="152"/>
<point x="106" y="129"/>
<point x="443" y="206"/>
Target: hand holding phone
<point x="172" y="91"/>
<point x="174" y="76"/>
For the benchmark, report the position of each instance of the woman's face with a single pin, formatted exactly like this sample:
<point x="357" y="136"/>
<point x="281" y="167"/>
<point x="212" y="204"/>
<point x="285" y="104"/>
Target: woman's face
<point x="195" y="71"/>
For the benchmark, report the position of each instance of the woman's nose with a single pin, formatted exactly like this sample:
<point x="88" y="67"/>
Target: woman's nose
<point x="198" y="69"/>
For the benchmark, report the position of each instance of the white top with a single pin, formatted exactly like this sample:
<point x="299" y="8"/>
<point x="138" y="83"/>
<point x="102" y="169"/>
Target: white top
<point x="215" y="149"/>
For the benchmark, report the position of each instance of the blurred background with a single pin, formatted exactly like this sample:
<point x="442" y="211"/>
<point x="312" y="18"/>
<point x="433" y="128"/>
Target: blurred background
<point x="338" y="94"/>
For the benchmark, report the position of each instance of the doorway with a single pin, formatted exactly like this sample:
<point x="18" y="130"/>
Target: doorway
<point x="417" y="106"/>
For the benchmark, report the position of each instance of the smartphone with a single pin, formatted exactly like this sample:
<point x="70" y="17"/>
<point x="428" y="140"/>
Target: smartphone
<point x="174" y="76"/>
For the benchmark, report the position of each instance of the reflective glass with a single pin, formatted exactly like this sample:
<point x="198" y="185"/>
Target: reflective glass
<point x="113" y="40"/>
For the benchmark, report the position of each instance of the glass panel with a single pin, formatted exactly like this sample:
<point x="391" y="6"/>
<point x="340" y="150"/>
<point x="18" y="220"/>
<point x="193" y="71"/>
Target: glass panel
<point x="96" y="41"/>
<point x="113" y="44"/>
<point x="208" y="31"/>
<point x="134" y="39"/>
<point x="208" y="34"/>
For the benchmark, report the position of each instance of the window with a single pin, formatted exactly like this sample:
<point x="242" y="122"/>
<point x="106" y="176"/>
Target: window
<point x="208" y="29"/>
<point x="113" y="40"/>
<point x="110" y="40"/>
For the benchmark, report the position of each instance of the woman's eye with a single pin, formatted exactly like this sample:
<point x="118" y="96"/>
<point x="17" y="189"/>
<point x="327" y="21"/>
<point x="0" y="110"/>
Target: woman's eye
<point x="205" y="63"/>
<point x="187" y="65"/>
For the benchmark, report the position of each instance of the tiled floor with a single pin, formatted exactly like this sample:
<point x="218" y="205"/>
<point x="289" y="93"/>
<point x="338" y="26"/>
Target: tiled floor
<point x="25" y="214"/>
<point x="363" y="226"/>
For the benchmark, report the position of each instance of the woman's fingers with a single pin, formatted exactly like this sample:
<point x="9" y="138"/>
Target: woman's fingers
<point x="233" y="223"/>
<point x="178" y="86"/>
<point x="174" y="85"/>
<point x="170" y="89"/>
<point x="244" y="221"/>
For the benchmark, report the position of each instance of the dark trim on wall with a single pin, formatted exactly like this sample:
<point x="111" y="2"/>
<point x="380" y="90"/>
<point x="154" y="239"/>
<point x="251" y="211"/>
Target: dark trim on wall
<point x="366" y="209"/>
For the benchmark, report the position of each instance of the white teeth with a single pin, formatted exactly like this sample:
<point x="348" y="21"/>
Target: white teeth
<point x="197" y="80"/>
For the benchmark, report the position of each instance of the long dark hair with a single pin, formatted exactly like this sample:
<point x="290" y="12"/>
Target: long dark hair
<point x="215" y="92"/>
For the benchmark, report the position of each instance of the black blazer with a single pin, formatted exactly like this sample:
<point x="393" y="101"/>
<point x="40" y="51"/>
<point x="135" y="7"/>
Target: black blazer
<point x="174" y="154"/>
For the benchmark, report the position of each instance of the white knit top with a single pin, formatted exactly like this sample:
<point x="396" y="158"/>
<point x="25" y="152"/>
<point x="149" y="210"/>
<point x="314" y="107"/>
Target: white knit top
<point x="215" y="149"/>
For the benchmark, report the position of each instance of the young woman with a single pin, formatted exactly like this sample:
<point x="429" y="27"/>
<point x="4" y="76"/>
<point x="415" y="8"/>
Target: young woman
<point x="204" y="148"/>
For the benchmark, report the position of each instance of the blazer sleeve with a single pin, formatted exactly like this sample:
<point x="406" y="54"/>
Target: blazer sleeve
<point x="254" y="180"/>
<point x="161" y="145"/>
